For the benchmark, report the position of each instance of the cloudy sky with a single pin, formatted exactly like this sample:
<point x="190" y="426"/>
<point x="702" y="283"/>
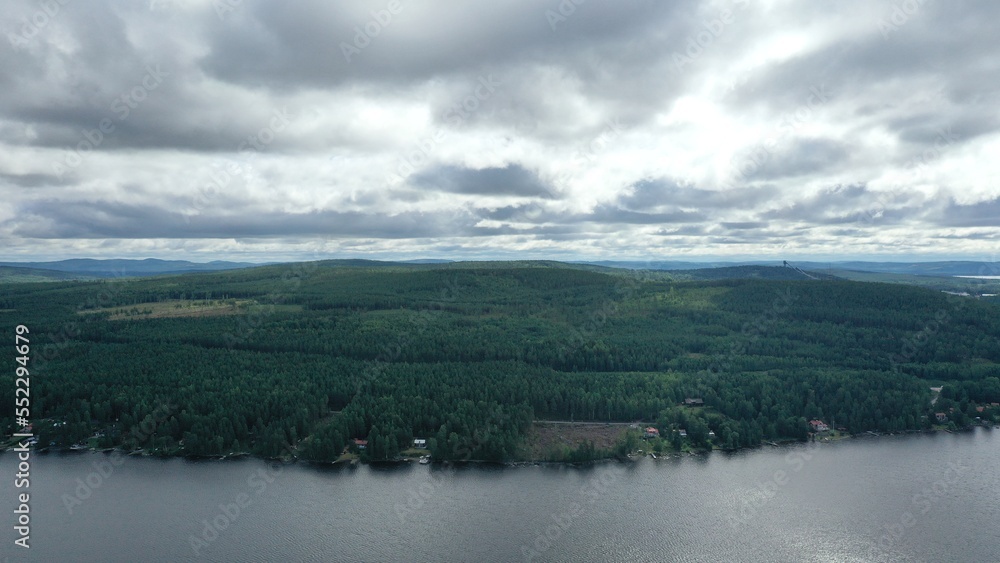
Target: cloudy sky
<point x="264" y="130"/>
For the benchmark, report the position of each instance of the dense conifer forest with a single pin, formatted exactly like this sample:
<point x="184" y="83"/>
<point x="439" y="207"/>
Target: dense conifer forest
<point x="302" y="359"/>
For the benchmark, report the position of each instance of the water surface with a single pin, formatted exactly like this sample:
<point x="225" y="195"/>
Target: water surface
<point x="908" y="498"/>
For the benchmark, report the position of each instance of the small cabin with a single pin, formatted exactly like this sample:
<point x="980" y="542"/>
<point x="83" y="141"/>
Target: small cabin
<point x="818" y="426"/>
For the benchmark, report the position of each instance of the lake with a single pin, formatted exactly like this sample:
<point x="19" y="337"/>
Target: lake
<point x="903" y="498"/>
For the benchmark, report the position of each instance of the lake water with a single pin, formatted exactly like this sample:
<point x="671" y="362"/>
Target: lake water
<point x="909" y="498"/>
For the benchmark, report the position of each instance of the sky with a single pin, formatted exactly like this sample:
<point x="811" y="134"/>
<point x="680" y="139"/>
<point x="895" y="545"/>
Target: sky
<point x="570" y="130"/>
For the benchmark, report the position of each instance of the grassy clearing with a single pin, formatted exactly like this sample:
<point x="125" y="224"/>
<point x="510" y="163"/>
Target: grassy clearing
<point x="187" y="308"/>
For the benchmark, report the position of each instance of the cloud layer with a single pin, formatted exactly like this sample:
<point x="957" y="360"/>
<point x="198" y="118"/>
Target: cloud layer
<point x="565" y="129"/>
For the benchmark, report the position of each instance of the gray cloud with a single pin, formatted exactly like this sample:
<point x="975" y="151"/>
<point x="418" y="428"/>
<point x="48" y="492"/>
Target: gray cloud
<point x="801" y="157"/>
<point x="724" y="127"/>
<point x="745" y="225"/>
<point x="656" y="193"/>
<point x="512" y="179"/>
<point x="33" y="180"/>
<point x="857" y="204"/>
<point x="101" y="219"/>
<point x="981" y="214"/>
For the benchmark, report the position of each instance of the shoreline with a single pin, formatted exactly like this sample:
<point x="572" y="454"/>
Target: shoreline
<point x="631" y="458"/>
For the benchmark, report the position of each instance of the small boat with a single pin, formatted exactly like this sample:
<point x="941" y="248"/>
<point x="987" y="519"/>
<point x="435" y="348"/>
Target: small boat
<point x="425" y="460"/>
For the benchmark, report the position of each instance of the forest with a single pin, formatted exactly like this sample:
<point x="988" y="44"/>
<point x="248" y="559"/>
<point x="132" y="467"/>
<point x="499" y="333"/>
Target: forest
<point x="301" y="360"/>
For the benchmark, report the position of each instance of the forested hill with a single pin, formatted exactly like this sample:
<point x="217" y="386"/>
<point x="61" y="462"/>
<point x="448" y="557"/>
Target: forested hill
<point x="11" y="274"/>
<point x="747" y="272"/>
<point x="300" y="359"/>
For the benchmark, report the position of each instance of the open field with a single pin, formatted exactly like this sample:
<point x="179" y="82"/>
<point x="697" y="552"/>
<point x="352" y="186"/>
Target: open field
<point x="174" y="308"/>
<point x="544" y="438"/>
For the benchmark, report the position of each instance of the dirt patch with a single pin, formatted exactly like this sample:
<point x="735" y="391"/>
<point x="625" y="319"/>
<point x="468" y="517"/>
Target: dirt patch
<point x="175" y="308"/>
<point x="545" y="437"/>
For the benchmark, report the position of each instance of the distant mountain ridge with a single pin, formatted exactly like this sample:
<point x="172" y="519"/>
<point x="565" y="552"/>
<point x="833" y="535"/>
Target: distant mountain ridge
<point x="113" y="268"/>
<point x="947" y="268"/>
<point x="89" y="268"/>
<point x="752" y="272"/>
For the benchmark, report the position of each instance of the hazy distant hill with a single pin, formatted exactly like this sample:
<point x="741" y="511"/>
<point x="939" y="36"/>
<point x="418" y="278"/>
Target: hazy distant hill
<point x="951" y="268"/>
<point x="91" y="268"/>
<point x="675" y="264"/>
<point x="10" y="274"/>
<point x="752" y="272"/>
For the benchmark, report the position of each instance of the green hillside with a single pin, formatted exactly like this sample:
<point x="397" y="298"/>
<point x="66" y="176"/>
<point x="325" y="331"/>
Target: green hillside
<point x="749" y="272"/>
<point x="299" y="359"/>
